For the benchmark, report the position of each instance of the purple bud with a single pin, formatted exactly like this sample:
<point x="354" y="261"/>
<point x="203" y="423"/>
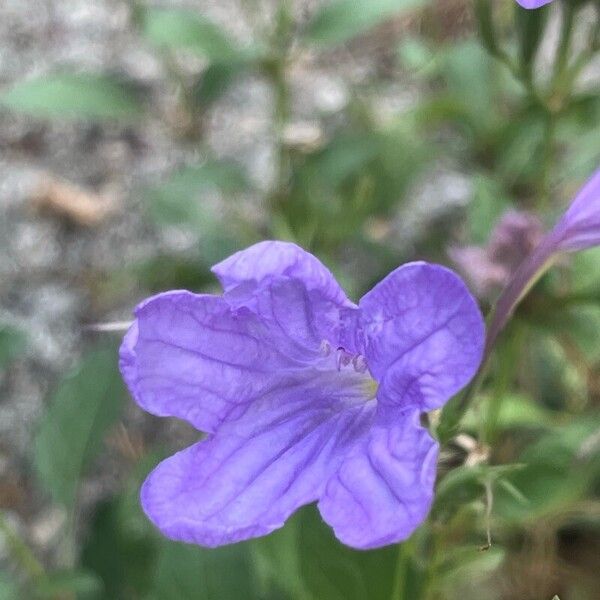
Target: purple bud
<point x="578" y="229"/>
<point x="580" y="226"/>
<point x="490" y="267"/>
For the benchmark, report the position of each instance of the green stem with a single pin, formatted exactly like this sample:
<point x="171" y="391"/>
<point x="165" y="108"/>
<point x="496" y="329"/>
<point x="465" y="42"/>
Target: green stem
<point x="508" y="353"/>
<point x="547" y="160"/>
<point x="276" y="69"/>
<point x="566" y="33"/>
<point x="401" y="571"/>
<point x="20" y="551"/>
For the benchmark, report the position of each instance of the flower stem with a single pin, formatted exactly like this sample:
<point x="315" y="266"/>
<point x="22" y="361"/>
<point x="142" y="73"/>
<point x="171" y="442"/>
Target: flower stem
<point x="401" y="572"/>
<point x="276" y="71"/>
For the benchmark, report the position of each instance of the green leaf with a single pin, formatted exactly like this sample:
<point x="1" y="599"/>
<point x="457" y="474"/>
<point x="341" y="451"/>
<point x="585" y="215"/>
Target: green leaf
<point x="472" y="82"/>
<point x="520" y="148"/>
<point x="214" y="82"/>
<point x="515" y="410"/>
<point x="81" y="411"/>
<point x="341" y="20"/>
<point x="59" y="583"/>
<point x="278" y="562"/>
<point x="466" y="484"/>
<point x="12" y="343"/>
<point x="336" y="572"/>
<point x="188" y="572"/>
<point x="179" y="28"/>
<point x="343" y="157"/>
<point x="304" y="561"/>
<point x="121" y="544"/>
<point x="488" y="204"/>
<point x="165" y="271"/>
<point x="468" y="563"/>
<point x="70" y="95"/>
<point x="556" y="473"/>
<point x="177" y="201"/>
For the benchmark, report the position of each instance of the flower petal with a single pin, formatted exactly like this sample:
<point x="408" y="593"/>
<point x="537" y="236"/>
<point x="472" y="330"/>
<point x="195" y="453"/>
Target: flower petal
<point x="533" y="3"/>
<point x="383" y="489"/>
<point x="272" y="258"/>
<point x="249" y="477"/>
<point x="423" y="333"/>
<point x="580" y="226"/>
<point x="194" y="357"/>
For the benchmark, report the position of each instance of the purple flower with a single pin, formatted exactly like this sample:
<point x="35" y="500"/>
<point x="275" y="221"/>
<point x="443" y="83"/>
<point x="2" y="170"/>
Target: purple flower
<point x="578" y="229"/>
<point x="533" y="3"/>
<point x="489" y="268"/>
<point x="304" y="395"/>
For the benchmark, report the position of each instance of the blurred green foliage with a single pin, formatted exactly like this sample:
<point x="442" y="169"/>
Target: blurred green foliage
<point x="85" y="405"/>
<point x="526" y="137"/>
<point x="73" y="96"/>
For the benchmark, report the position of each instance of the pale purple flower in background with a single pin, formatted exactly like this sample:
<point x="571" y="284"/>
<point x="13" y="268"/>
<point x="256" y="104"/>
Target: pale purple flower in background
<point x="305" y="396"/>
<point x="489" y="268"/>
<point x="578" y="229"/>
<point x="533" y="3"/>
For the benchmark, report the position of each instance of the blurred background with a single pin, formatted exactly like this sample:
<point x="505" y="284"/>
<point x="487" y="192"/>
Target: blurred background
<point x="141" y="142"/>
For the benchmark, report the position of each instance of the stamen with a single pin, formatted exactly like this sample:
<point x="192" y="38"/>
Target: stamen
<point x="359" y="363"/>
<point x="325" y="348"/>
<point x="342" y="358"/>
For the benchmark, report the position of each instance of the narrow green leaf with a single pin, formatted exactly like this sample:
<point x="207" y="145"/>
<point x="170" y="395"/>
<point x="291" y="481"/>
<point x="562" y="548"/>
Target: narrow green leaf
<point x="70" y="95"/>
<point x="515" y="410"/>
<point x="214" y="82"/>
<point x="515" y="492"/>
<point x="341" y="20"/>
<point x="530" y="28"/>
<point x="468" y="564"/>
<point x="81" y="410"/>
<point x="179" y="28"/>
<point x="485" y="23"/>
<point x="466" y="483"/>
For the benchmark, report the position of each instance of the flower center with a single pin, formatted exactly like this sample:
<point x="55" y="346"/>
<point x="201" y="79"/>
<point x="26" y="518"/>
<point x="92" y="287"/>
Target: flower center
<point x="353" y="367"/>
